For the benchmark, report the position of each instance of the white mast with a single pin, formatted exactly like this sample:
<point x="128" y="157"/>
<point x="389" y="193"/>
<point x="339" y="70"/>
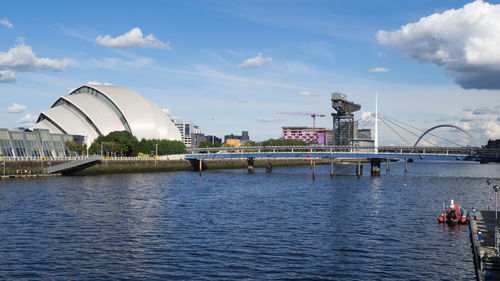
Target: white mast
<point x="376" y="123"/>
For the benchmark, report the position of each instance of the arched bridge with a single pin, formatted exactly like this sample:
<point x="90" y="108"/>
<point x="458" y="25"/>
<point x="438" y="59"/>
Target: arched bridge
<point x="439" y="126"/>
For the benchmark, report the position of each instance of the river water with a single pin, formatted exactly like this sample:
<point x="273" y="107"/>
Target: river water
<point x="232" y="225"/>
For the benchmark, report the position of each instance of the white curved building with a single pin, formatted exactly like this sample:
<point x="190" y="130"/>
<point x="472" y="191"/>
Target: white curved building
<point x="93" y="110"/>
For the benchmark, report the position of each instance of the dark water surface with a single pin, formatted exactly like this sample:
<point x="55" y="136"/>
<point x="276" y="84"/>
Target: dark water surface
<point x="231" y="225"/>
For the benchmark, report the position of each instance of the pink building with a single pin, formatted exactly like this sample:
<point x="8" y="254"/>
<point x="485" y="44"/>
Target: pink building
<point x="309" y="135"/>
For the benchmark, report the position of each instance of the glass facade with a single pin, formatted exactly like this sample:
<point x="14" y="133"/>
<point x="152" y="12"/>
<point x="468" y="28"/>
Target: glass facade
<point x="38" y="143"/>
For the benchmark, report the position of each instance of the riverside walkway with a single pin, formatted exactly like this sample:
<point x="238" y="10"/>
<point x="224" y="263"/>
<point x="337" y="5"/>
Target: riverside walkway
<point x="486" y="249"/>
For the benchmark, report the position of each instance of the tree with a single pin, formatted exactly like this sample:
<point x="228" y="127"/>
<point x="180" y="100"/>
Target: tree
<point x="164" y="147"/>
<point x="74" y="146"/>
<point x="207" y="144"/>
<point x="111" y="147"/>
<point x="125" y="139"/>
<point x="250" y="143"/>
<point x="128" y="145"/>
<point x="282" y="142"/>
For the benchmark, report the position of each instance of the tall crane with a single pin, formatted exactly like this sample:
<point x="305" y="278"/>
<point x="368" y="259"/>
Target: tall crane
<point x="313" y="115"/>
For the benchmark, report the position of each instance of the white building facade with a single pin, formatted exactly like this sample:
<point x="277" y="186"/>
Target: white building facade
<point x="93" y="110"/>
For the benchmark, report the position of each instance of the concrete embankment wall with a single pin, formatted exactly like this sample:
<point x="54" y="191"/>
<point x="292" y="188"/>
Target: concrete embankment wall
<point x="27" y="166"/>
<point x="150" y="165"/>
<point x="133" y="166"/>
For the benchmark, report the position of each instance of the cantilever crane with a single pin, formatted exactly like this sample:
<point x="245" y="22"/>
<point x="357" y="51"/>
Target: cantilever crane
<point x="313" y="115"/>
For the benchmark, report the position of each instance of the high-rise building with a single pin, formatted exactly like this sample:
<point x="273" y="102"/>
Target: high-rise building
<point x="244" y="137"/>
<point x="186" y="128"/>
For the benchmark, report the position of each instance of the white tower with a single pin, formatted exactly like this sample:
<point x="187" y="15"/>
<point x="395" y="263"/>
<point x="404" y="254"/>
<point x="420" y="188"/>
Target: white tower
<point x="376" y="123"/>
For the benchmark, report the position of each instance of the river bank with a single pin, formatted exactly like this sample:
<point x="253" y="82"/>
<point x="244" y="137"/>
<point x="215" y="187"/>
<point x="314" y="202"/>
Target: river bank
<point x="147" y="165"/>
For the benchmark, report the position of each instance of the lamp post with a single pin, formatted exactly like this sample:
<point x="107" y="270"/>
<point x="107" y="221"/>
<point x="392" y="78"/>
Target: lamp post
<point x="213" y="133"/>
<point x="42" y="152"/>
<point x="495" y="188"/>
<point x="87" y="144"/>
<point x="101" y="149"/>
<point x="489" y="188"/>
<point x="156" y="148"/>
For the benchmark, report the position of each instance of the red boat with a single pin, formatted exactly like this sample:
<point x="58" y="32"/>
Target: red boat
<point x="455" y="214"/>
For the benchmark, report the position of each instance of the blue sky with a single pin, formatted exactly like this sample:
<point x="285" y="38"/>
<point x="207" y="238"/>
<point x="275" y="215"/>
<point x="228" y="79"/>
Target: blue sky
<point x="229" y="66"/>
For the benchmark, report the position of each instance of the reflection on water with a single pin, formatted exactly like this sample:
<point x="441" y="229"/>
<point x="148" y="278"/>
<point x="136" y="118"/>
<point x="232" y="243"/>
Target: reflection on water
<point x="231" y="225"/>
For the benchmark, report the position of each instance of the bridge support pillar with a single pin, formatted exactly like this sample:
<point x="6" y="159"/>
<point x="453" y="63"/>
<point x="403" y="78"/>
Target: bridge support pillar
<point x="387" y="165"/>
<point x="269" y="167"/>
<point x="314" y="169"/>
<point x="375" y="167"/>
<point x="359" y="169"/>
<point x="250" y="161"/>
<point x="331" y="168"/>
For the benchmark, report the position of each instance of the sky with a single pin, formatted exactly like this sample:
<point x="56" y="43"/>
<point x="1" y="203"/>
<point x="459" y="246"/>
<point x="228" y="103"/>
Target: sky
<point x="229" y="66"/>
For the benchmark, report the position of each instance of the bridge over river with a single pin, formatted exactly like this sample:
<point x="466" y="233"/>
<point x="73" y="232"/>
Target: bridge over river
<point x="356" y="154"/>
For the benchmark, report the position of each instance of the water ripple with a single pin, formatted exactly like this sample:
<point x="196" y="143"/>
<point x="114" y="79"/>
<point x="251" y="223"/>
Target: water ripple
<point x="230" y="225"/>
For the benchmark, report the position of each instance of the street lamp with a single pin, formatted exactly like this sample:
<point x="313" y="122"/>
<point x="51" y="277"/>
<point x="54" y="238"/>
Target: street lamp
<point x="101" y="149"/>
<point x="489" y="188"/>
<point x="496" y="187"/>
<point x="87" y="144"/>
<point x="156" y="147"/>
<point x="213" y="132"/>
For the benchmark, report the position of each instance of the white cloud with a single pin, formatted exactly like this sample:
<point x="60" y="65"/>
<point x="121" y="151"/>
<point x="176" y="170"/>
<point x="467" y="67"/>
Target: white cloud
<point x="268" y="120"/>
<point x="99" y="83"/>
<point x="379" y="70"/>
<point x="482" y="123"/>
<point x="167" y="111"/>
<point x="22" y="58"/>
<point x="7" y="76"/>
<point x="132" y="39"/>
<point x="16" y="108"/>
<point x="486" y="110"/>
<point x="255" y="62"/>
<point x="464" y="41"/>
<point x="307" y="94"/>
<point x="170" y="114"/>
<point x="27" y="119"/>
<point x="491" y="129"/>
<point x="6" y="23"/>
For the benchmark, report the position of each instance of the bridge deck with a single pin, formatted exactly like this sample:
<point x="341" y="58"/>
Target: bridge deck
<point x="328" y="155"/>
<point x="386" y="152"/>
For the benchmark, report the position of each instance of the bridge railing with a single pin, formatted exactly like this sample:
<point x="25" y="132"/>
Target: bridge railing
<point x="469" y="151"/>
<point x="71" y="164"/>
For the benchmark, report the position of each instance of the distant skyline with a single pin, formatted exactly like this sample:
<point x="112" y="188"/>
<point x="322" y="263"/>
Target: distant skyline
<point x="230" y="66"/>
